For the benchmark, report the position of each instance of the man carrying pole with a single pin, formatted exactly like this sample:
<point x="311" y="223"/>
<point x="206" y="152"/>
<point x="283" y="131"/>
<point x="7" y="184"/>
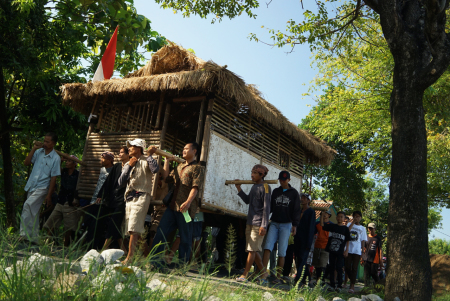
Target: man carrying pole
<point x="40" y="185"/>
<point x="138" y="174"/>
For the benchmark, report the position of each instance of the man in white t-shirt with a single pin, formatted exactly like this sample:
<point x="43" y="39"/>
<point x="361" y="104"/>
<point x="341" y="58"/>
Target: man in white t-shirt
<point x="353" y="253"/>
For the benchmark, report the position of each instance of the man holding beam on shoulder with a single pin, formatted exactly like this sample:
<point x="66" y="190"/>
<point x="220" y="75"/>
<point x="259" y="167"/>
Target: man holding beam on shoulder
<point x="138" y="176"/>
<point x="257" y="220"/>
<point x="187" y="177"/>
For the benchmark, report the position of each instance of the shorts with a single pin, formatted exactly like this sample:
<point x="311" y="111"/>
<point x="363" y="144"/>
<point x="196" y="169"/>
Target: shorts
<point x="278" y="232"/>
<point x="135" y="213"/>
<point x="61" y="214"/>
<point x="197" y="231"/>
<point x="254" y="240"/>
<point x="320" y="258"/>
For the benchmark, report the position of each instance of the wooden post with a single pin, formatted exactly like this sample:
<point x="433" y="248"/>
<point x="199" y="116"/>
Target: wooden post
<point x="146" y="116"/>
<point x="201" y="116"/>
<point x="206" y="133"/>
<point x="91" y="126"/>
<point x="158" y="117"/>
<point x="161" y="141"/>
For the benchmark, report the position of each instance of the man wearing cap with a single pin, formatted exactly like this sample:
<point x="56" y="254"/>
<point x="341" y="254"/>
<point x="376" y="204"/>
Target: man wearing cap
<point x="64" y="207"/>
<point x="285" y="208"/>
<point x="40" y="185"/>
<point x="372" y="255"/>
<point x="138" y="176"/>
<point x="320" y="256"/>
<point x="303" y="239"/>
<point x="258" y="200"/>
<point x="95" y="227"/>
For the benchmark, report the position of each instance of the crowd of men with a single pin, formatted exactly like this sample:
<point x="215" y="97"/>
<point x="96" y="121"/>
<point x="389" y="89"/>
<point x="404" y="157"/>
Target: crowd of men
<point x="119" y="213"/>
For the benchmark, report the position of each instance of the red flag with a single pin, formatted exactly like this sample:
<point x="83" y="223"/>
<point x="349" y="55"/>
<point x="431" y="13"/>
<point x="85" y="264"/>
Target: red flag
<point x="106" y="67"/>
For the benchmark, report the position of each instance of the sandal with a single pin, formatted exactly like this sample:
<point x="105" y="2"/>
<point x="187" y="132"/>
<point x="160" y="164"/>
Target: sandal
<point x="277" y="281"/>
<point x="241" y="279"/>
<point x="351" y="291"/>
<point x="261" y="281"/>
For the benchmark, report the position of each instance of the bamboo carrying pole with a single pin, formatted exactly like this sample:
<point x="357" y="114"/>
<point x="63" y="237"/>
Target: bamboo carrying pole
<point x="68" y="157"/>
<point x="168" y="155"/>
<point x="239" y="182"/>
<point x="319" y="208"/>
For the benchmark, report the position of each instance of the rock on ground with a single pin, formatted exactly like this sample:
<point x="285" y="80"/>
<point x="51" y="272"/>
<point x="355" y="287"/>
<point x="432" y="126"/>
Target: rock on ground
<point x="354" y="299"/>
<point x="268" y="297"/>
<point x="66" y="283"/>
<point x="155" y="285"/>
<point x="111" y="255"/>
<point x="91" y="262"/>
<point x="371" y="297"/>
<point x="397" y="299"/>
<point x="320" y="298"/>
<point x="40" y="264"/>
<point x="338" y="299"/>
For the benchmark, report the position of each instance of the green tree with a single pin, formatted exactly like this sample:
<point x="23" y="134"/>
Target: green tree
<point x="439" y="246"/>
<point x="42" y="44"/>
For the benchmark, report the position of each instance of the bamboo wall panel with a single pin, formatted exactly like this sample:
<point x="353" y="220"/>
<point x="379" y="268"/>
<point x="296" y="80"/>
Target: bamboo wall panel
<point x="139" y="116"/>
<point x="227" y="160"/>
<point x="98" y="143"/>
<point x="236" y="124"/>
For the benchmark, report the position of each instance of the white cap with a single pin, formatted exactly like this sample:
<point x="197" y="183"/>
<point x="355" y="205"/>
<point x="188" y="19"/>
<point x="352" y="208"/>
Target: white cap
<point x="137" y="142"/>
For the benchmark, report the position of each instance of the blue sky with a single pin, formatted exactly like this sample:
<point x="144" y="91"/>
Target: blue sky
<point x="281" y="77"/>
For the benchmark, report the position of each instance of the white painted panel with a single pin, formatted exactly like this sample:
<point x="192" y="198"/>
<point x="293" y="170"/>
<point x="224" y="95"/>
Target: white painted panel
<point x="228" y="162"/>
<point x="274" y="171"/>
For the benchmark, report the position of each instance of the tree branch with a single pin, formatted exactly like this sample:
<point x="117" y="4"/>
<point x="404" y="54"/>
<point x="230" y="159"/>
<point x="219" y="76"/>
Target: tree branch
<point x="374" y="5"/>
<point x="10" y="94"/>
<point x="355" y="16"/>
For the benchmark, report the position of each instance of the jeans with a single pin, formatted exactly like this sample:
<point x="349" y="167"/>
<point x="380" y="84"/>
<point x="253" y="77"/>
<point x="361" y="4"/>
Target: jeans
<point x="170" y="221"/>
<point x="278" y="232"/>
<point x="336" y="264"/>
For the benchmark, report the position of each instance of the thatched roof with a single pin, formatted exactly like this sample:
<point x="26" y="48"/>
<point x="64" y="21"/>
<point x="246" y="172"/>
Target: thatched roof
<point x="173" y="68"/>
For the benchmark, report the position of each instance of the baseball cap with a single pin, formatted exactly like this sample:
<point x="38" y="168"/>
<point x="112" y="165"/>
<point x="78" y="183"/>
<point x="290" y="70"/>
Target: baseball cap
<point x="284" y="175"/>
<point x="305" y="195"/>
<point x="136" y="142"/>
<point x="328" y="211"/>
<point x="371" y="225"/>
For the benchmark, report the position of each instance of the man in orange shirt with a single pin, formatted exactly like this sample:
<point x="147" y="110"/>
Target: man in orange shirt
<point x="320" y="256"/>
<point x="372" y="255"/>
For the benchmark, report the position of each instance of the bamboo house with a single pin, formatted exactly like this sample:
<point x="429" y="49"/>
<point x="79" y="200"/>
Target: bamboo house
<point x="177" y="98"/>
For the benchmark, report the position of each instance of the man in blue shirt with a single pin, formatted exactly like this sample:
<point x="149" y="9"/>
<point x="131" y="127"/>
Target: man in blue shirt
<point x="40" y="185"/>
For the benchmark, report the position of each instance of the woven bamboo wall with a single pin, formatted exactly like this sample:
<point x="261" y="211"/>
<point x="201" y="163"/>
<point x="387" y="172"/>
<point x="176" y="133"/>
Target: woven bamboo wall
<point x="236" y="124"/>
<point x="99" y="143"/>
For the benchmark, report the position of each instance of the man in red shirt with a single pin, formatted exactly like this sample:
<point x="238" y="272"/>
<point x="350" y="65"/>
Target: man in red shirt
<point x="320" y="256"/>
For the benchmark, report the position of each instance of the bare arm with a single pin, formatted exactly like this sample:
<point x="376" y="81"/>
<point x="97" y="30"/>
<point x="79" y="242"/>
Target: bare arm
<point x="321" y="220"/>
<point x="351" y="225"/>
<point x="166" y="169"/>
<point x="48" y="198"/>
<point x="192" y="194"/>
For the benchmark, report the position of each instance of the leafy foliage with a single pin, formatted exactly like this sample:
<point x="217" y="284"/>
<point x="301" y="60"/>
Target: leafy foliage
<point x="230" y="249"/>
<point x="44" y="44"/>
<point x="439" y="246"/>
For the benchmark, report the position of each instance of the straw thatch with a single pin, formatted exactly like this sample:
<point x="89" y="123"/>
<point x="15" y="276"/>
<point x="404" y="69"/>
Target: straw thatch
<point x="174" y="68"/>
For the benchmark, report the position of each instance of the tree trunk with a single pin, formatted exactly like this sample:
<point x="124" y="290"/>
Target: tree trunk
<point x="409" y="270"/>
<point x="5" y="143"/>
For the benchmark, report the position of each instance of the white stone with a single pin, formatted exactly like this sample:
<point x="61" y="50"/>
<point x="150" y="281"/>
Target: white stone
<point x="397" y="299"/>
<point x="38" y="263"/>
<point x="111" y="255"/>
<point x="338" y="299"/>
<point x="91" y="262"/>
<point x="268" y="297"/>
<point x="66" y="283"/>
<point x="156" y="284"/>
<point x="371" y="297"/>
<point x="301" y="299"/>
<point x="354" y="299"/>
<point x="139" y="274"/>
<point x="109" y="278"/>
<point x="320" y="298"/>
